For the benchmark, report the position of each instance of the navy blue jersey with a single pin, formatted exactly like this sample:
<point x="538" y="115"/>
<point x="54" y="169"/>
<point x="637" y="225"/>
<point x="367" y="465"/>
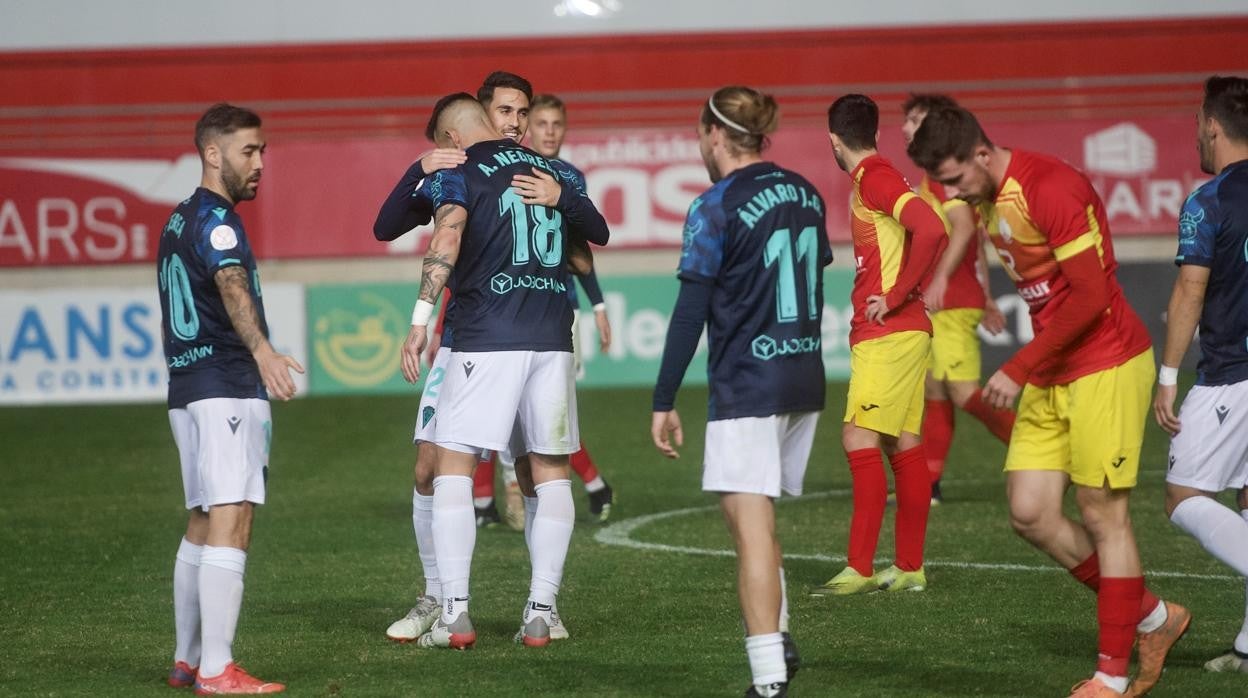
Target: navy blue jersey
<point x="206" y="357"/>
<point x="758" y="238"/>
<point x="510" y="281"/>
<point x="1213" y="233"/>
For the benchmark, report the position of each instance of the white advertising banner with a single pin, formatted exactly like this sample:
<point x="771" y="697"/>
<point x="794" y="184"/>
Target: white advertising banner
<point x="89" y="345"/>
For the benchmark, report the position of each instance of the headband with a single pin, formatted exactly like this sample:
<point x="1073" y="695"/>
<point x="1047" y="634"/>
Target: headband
<point x="727" y="122"/>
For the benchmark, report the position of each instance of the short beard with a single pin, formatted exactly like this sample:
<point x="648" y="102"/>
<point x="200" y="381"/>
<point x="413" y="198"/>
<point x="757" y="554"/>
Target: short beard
<point x="236" y="186"/>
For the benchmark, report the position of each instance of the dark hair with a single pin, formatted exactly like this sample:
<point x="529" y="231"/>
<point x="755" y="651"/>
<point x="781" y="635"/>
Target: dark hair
<point x="927" y="102"/>
<point x="745" y="114"/>
<point x="1226" y="99"/>
<point x="950" y="132"/>
<point x="547" y="102"/>
<point x="431" y="130"/>
<point x="854" y="119"/>
<point x="222" y="119"/>
<point x="501" y="78"/>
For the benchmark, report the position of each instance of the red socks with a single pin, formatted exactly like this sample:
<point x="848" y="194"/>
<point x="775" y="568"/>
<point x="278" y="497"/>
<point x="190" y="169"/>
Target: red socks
<point x="1088" y="573"/>
<point x="937" y="435"/>
<point x="1117" y="611"/>
<point x="583" y="465"/>
<point x="483" y="479"/>
<point x="999" y="422"/>
<point x="870" y="492"/>
<point x="914" y="492"/>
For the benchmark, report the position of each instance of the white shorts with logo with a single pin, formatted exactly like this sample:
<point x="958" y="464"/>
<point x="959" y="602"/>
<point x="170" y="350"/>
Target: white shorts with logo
<point x="758" y="455"/>
<point x="522" y="401"/>
<point x="223" y="444"/>
<point x="427" y="416"/>
<point x="1210" y="452"/>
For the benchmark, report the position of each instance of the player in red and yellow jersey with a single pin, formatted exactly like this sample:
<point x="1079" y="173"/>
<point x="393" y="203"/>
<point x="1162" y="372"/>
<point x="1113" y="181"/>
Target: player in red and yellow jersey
<point x="1085" y="382"/>
<point x="959" y="299"/>
<point x="897" y="239"/>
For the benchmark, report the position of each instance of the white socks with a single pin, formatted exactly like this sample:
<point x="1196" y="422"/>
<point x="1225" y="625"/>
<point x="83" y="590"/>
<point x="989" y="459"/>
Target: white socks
<point x="1218" y="529"/>
<point x="220" y="598"/>
<point x="551" y="536"/>
<point x="530" y="513"/>
<point x="1154" y="620"/>
<point x="784" y="604"/>
<point x="595" y="485"/>
<point x="1241" y="640"/>
<point x="766" y="653"/>
<point x="454" y="538"/>
<point x="186" y="603"/>
<point x="422" y="523"/>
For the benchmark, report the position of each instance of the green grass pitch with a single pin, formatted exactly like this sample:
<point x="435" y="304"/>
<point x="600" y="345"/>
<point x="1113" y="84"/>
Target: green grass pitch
<point x="91" y="514"/>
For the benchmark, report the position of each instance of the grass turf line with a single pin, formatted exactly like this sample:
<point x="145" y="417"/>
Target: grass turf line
<point x="91" y="514"/>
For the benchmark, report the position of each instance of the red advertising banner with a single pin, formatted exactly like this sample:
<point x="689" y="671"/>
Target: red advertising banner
<point x="318" y="199"/>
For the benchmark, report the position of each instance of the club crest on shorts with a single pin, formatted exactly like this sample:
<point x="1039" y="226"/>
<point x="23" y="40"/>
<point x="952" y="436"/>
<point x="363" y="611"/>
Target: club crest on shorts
<point x="426" y="415"/>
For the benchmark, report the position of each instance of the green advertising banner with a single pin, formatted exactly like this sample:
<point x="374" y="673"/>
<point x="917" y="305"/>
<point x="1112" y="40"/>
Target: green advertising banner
<point x="355" y="332"/>
<point x="640" y="307"/>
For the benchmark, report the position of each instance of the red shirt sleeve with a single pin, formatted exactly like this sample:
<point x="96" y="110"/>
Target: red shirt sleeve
<point x="1059" y="203"/>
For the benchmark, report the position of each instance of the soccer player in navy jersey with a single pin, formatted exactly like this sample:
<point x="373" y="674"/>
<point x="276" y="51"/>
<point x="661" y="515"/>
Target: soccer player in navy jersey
<point x="751" y="269"/>
<point x="505" y="97"/>
<point x="509" y="383"/>
<point x="222" y="371"/>
<point x="1208" y="451"/>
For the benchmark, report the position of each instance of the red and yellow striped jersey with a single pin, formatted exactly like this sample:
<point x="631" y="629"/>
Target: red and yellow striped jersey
<point x="881" y="246"/>
<point x="1045" y="212"/>
<point x="964" y="289"/>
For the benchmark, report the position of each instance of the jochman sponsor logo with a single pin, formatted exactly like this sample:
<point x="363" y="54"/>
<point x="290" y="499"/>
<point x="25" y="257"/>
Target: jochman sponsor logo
<point x="767" y="348"/>
<point x="503" y="283"/>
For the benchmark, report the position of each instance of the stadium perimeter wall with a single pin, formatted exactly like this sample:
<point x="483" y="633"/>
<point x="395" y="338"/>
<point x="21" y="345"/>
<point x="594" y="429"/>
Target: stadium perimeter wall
<point x="93" y="155"/>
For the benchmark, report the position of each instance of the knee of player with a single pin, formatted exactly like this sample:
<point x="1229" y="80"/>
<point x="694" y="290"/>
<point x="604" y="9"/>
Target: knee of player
<point x="1031" y="521"/>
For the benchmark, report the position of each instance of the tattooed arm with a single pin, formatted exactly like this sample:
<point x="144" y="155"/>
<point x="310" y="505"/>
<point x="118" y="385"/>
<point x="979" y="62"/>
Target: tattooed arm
<point x="235" y="290"/>
<point x="449" y="223"/>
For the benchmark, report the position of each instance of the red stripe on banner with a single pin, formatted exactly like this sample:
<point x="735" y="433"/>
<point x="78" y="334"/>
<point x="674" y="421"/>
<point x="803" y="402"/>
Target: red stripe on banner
<point x="95" y="146"/>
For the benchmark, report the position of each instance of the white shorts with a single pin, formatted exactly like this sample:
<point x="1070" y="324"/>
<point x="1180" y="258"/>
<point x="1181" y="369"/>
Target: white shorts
<point x="522" y="401"/>
<point x="758" y="455"/>
<point x="426" y="418"/>
<point x="1210" y="452"/>
<point x="223" y="444"/>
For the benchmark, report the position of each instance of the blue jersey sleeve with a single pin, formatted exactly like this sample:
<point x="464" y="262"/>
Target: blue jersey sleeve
<point x="1198" y="228"/>
<point x="446" y="187"/>
<point x="702" y="247"/>
<point x="222" y="242"/>
<point x="570" y="176"/>
<point x="405" y="208"/>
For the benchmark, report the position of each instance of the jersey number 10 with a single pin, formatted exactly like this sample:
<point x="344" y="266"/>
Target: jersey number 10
<point x="533" y="227"/>
<point x="779" y="250"/>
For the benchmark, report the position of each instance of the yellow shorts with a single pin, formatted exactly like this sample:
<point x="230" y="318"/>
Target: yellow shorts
<point x="955" y="344"/>
<point x="1092" y="428"/>
<point x="886" y="382"/>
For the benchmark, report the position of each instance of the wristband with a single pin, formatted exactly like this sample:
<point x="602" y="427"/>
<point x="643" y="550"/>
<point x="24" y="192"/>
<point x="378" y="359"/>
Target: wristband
<point x="1167" y="375"/>
<point x="600" y="307"/>
<point x="422" y="312"/>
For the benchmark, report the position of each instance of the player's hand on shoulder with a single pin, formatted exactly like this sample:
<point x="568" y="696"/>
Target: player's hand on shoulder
<point x="1163" y="408"/>
<point x="442" y="159"/>
<point x="275" y="371"/>
<point x="413" y="347"/>
<point x="877" y="308"/>
<point x="994" y="319"/>
<point x="540" y="189"/>
<point x="664" y="430"/>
